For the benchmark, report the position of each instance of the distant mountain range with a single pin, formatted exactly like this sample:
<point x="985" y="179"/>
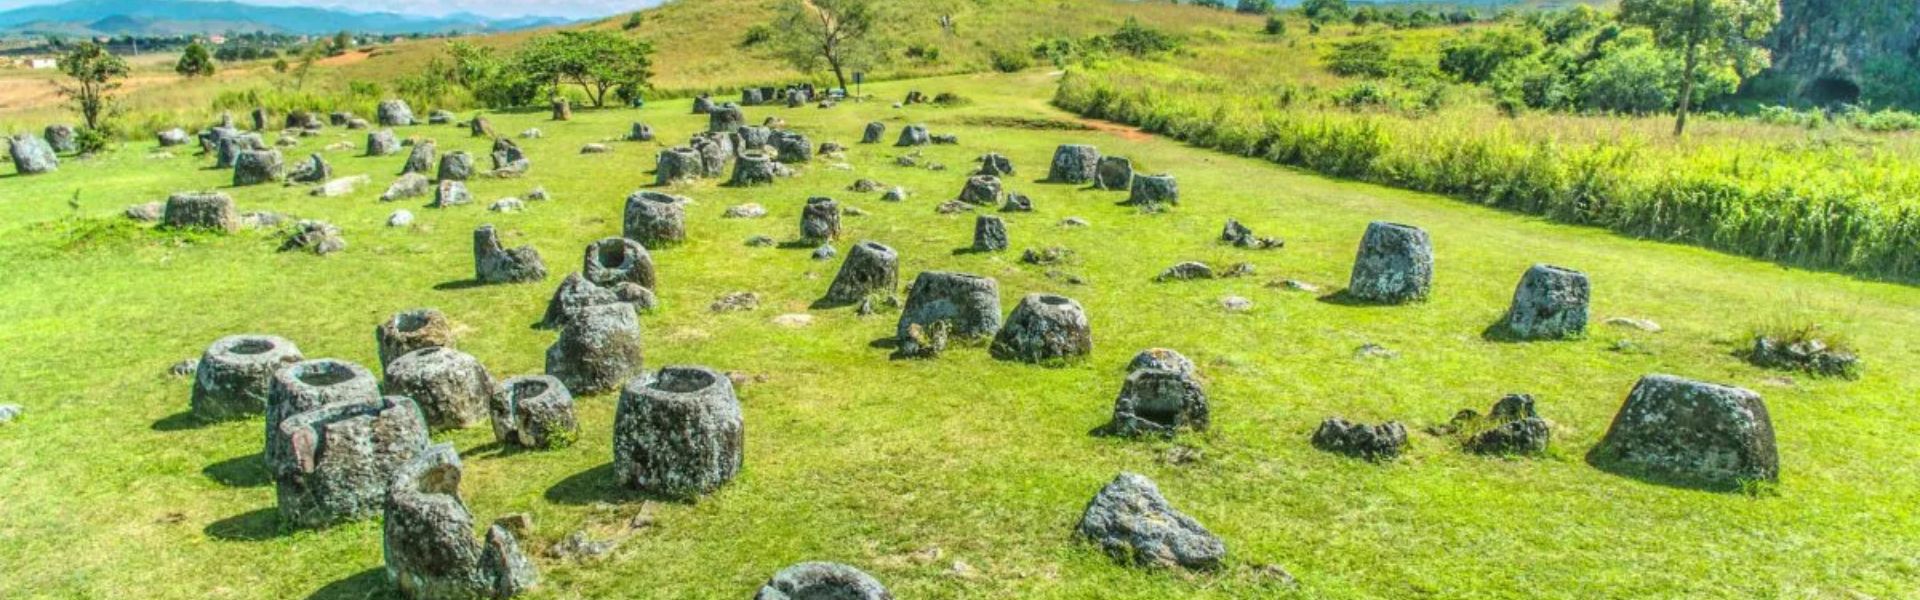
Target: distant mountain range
<point x="179" y="17"/>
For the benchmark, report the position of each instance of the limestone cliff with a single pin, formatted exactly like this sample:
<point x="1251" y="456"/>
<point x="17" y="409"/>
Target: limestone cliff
<point x="1848" y="51"/>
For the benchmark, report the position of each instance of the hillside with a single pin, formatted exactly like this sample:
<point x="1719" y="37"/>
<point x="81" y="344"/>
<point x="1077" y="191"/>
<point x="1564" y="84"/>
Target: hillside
<point x="174" y="17"/>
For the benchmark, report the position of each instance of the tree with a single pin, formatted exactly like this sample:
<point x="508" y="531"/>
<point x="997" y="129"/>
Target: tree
<point x="839" y="33"/>
<point x="94" y="71"/>
<point x="1717" y="33"/>
<point x="597" y="61"/>
<point x="1254" y="7"/>
<point x="341" y="41"/>
<point x="195" y="61"/>
<point x="1324" y="10"/>
<point x="633" y="21"/>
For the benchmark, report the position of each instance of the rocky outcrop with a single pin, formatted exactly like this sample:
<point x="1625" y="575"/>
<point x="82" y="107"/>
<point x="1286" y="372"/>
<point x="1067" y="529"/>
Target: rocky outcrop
<point x="1133" y="523"/>
<point x="822" y="581"/>
<point x="1862" y="52"/>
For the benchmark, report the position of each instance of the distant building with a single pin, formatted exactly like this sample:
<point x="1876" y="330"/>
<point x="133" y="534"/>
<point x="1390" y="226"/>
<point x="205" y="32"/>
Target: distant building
<point x="42" y="63"/>
<point x="216" y="39"/>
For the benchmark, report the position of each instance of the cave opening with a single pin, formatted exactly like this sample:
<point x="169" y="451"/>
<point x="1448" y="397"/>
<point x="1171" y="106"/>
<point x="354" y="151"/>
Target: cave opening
<point x="1832" y="92"/>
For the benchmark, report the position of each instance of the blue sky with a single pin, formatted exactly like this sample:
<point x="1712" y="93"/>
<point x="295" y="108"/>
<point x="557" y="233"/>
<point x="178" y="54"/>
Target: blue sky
<point x="492" y="8"/>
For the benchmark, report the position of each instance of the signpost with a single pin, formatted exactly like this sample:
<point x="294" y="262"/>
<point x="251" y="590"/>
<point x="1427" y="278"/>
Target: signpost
<point x="859" y="77"/>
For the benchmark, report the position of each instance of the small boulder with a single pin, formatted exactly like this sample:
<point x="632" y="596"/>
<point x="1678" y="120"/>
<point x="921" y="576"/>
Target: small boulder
<point x="410" y="185"/>
<point x="989" y="234"/>
<point x="969" y="304"/>
<point x="1133" y="523"/>
<point x="1394" y="265"/>
<point x="1691" y="431"/>
<point x="451" y="387"/>
<point x="333" y="464"/>
<point x="1549" y="304"/>
<point x="534" y="412"/>
<point x="1073" y="163"/>
<point x="1372" y="442"/>
<point x="1044" y="328"/>
<point x="678" y="433"/>
<point x="411" y="330"/>
<point x="598" y="349"/>
<point x="494" y="263"/>
<point x="655" y="219"/>
<point x="822" y="581"/>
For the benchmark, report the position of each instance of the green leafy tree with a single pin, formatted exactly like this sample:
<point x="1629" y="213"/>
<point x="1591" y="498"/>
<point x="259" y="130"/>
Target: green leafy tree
<point x="95" y="73"/>
<point x="837" y="34"/>
<point x="1475" y="58"/>
<point x="1713" y="33"/>
<point x="1140" y="40"/>
<point x="1254" y="7"/>
<point x="597" y="61"/>
<point x="280" y="65"/>
<point x="1276" y="25"/>
<point x="633" y="21"/>
<point x="1368" y="57"/>
<point x="1324" y="10"/>
<point x="195" y="61"/>
<point x="341" y="42"/>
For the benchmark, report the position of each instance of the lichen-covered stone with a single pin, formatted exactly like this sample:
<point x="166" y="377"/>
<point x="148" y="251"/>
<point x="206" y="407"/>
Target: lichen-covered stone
<point x="411" y="330"/>
<point x="251" y="167"/>
<point x="1044" y="327"/>
<point x="1160" y="401"/>
<point x="440" y="117"/>
<point x="168" y="138"/>
<point x="1017" y="202"/>
<point x="480" y="127"/>
<point x="32" y="155"/>
<point x="451" y="387"/>
<point x="725" y="118"/>
<point x="822" y="581"/>
<point x="1549" y="304"/>
<point x="1803" y="353"/>
<point x="679" y="163"/>
<point x="792" y="147"/>
<point x="394" y="113"/>
<point x="1133" y="523"/>
<point x="1373" y="442"/>
<point x="311" y="384"/>
<point x="981" y="190"/>
<point x="820" y="220"/>
<point x="1511" y="427"/>
<point x="420" y="159"/>
<point x="456" y="166"/>
<point x="534" y="411"/>
<point x="989" y="234"/>
<point x="410" y="185"/>
<point x="873" y="133"/>
<point x="494" y="263"/>
<point x="1161" y="358"/>
<point x="1691" y="431"/>
<point x="678" y="433"/>
<point x="562" y="109"/>
<point x="200" y="210"/>
<point x="62" y="138"/>
<point x="640" y="132"/>
<point x="427" y="537"/>
<point x="508" y="159"/>
<point x="598" y="350"/>
<point x="1074" y="163"/>
<point x="703" y="104"/>
<point x="312" y="170"/>
<point x="914" y="135"/>
<point x="1153" y="190"/>
<point x="1394" y="265"/>
<point x="318" y="237"/>
<point x="235" y="375"/>
<point x="754" y="167"/>
<point x="655" y="219"/>
<point x="1186" y="271"/>
<point x="969" y="304"/>
<point x="333" y="464"/>
<point x="609" y="261"/>
<point x="870" y="268"/>
<point x="451" y="193"/>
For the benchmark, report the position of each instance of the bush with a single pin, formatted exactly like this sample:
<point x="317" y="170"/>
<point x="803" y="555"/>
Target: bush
<point x="1531" y="83"/>
<point x="1009" y="61"/>
<point x="1276" y="25"/>
<point x="1362" y="95"/>
<point x="1141" y="40"/>
<point x="756" y="35"/>
<point x="1474" y="59"/>
<point x="1637" y="80"/>
<point x="90" y="141"/>
<point x="1360" y="58"/>
<point x="1254" y="7"/>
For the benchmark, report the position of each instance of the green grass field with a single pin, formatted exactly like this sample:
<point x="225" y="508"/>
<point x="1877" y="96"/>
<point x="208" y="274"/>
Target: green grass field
<point x="908" y="469"/>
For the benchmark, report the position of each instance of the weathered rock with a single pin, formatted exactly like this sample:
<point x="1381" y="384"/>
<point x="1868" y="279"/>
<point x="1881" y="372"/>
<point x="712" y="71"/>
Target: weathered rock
<point x="229" y="145"/>
<point x="10" y="413"/>
<point x="1153" y="190"/>
<point x="995" y="164"/>
<point x="913" y="135"/>
<point x="716" y="150"/>
<point x="258" y="115"/>
<point x="1241" y="236"/>
<point x="494" y="263"/>
<point x="252" y="167"/>
<point x="678" y="433"/>
<point x="480" y="127"/>
<point x="318" y="237"/>
<point x="358" y="124"/>
<point x="1186" y="271"/>
<point x="655" y="219"/>
<point x="1074" y="163"/>
<point x="897" y="194"/>
<point x="1691" y="431"/>
<point x="792" y="147"/>
<point x="824" y="252"/>
<point x="989" y="234"/>
<point x="1647" y="325"/>
<point x="735" y="302"/>
<point x="394" y="113"/>
<point x="451" y="387"/>
<point x="613" y="260"/>
<point x="427" y="537"/>
<point x="755" y="138"/>
<point x="679" y="163"/>
<point x="534" y="411"/>
<point x="969" y="304"/>
<point x="832" y="149"/>
<point x="750" y="210"/>
<point x="1549" y="304"/>
<point x="311" y="384"/>
<point x="1804" y="353"/>
<point x="596" y="149"/>
<point x="1163" y="359"/>
<point x="754" y="168"/>
<point x="312" y="170"/>
<point x="440" y="117"/>
<point x="752" y="97"/>
<point x="235" y="375"/>
<point x="1160" y="401"/>
<point x="1831" y="53"/>
<point x="1046" y="256"/>
<point x="725" y="118"/>
<point x="333" y="463"/>
<point x="562" y="109"/>
<point x="1043" y="328"/>
<point x="149" y="212"/>
<point x="944" y="139"/>
<point x="420" y="159"/>
<point x="1133" y="523"/>
<point x="301" y="119"/>
<point x="576" y="292"/>
<point x="201" y="210"/>
<point x="981" y="190"/>
<point x="538" y="194"/>
<point x="62" y="138"/>
<point x="820" y="220"/>
<point x="1371" y="442"/>
<point x="411" y="330"/>
<point x="873" y="133"/>
<point x="261" y="219"/>
<point x="1394" y="265"/>
<point x="599" y="349"/>
<point x="703" y="104"/>
<point x="340" y="186"/>
<point x="456" y="166"/>
<point x="1511" y="427"/>
<point x="339" y="119"/>
<point x="451" y="193"/>
<point x="507" y="205"/>
<point x="508" y="159"/>
<point x="1113" y="173"/>
<point x="410" y="185"/>
<point x="822" y="581"/>
<point x="641" y="132"/>
<point x="870" y="269"/>
<point x="172" y="137"/>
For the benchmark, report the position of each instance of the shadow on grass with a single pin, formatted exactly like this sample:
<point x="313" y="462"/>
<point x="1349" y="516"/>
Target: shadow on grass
<point x="597" y="485"/>
<point x="240" y="472"/>
<point x="458" y="284"/>
<point x="1599" y="458"/>
<point x="886" y="343"/>
<point x="969" y="250"/>
<point x="371" y="583"/>
<point x="799" y="245"/>
<point x="180" y="421"/>
<point x="252" y="526"/>
<point x="1346" y="298"/>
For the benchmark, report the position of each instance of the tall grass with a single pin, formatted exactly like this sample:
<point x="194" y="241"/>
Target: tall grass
<point x="1808" y="201"/>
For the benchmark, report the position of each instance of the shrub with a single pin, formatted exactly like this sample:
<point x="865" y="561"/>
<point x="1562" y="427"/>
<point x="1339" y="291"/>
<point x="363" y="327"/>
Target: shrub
<point x="1141" y="40"/>
<point x="756" y="35"/>
<point x="1359" y="58"/>
<point x="1637" y="80"/>
<point x="1276" y="25"/>
<point x="1362" y="95"/>
<point x="1531" y="83"/>
<point x="1254" y="7"/>
<point x="1474" y="59"/>
<point x="1010" y="61"/>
